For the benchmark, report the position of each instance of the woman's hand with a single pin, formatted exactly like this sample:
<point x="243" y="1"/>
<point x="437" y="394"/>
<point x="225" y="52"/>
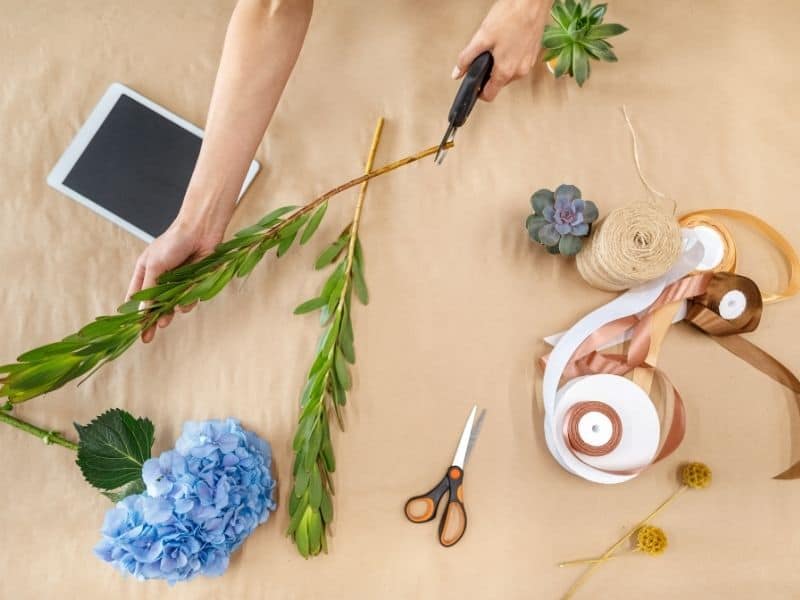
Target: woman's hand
<point x="512" y="32"/>
<point x="187" y="240"/>
<point x="262" y="43"/>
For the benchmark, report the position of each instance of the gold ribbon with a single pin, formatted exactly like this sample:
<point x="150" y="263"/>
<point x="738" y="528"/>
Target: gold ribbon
<point x="710" y="218"/>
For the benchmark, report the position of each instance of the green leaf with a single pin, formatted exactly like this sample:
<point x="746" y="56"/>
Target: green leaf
<point x="303" y="432"/>
<point x="285" y="244"/>
<point x="548" y="235"/>
<point x="339" y="395"/>
<point x="571" y="6"/>
<point x="564" y="64"/>
<point x="301" y="535"/>
<point x="359" y="284"/>
<point x="46" y="374"/>
<point x="297" y="515"/>
<point x="254" y="257"/>
<point x="315" y="488"/>
<point x="541" y="199"/>
<point x="600" y="50"/>
<point x="328" y="456"/>
<point x="554" y="39"/>
<point x="113" y="448"/>
<point x="560" y="15"/>
<point x="47" y="351"/>
<point x="534" y="224"/>
<point x="597" y="13"/>
<point x="550" y="54"/>
<point x="358" y="253"/>
<point x="598" y="32"/>
<point x="590" y="212"/>
<point x="129" y="489"/>
<point x="331" y="253"/>
<point x="301" y="482"/>
<point x="569" y="245"/>
<point x="313" y="223"/>
<point x="271" y="218"/>
<point x="314" y="533"/>
<point x="342" y="371"/>
<point x="326" y="508"/>
<point x="580" y="64"/>
<point x="237" y="243"/>
<point x="346" y="339"/>
<point x="312" y="447"/>
<point x="309" y="305"/>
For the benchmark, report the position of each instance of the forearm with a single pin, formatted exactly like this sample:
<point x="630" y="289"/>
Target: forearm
<point x="261" y="47"/>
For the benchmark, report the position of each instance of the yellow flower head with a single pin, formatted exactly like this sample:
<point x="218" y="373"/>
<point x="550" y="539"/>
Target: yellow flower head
<point x="696" y="475"/>
<point x="651" y="540"/>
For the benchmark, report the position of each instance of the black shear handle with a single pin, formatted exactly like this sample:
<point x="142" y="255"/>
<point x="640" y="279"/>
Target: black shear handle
<point x="471" y="87"/>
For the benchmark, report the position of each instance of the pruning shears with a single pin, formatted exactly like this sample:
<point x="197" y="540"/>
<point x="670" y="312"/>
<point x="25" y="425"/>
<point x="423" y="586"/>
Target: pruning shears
<point x="471" y="87"/>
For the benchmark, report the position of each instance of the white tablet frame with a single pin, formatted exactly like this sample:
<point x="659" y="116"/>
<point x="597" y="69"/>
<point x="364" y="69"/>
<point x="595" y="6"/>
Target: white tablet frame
<point x="55" y="178"/>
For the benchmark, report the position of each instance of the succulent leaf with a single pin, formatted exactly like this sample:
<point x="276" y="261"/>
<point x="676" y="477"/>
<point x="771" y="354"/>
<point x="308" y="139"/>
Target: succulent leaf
<point x="599" y="32"/>
<point x="580" y="64"/>
<point x="541" y="199"/>
<point x="577" y="36"/>
<point x="548" y="235"/>
<point x="590" y="212"/>
<point x="569" y="245"/>
<point x="564" y="64"/>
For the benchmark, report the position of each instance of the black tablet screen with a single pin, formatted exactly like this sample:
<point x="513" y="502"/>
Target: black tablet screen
<point x="137" y="166"/>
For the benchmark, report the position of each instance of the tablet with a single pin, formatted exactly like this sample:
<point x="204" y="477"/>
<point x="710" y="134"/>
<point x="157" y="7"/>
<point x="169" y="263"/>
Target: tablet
<point x="131" y="162"/>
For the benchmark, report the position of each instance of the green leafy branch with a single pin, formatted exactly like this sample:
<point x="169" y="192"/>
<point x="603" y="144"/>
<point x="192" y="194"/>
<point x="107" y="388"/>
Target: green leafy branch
<point x="310" y="503"/>
<point x="51" y="366"/>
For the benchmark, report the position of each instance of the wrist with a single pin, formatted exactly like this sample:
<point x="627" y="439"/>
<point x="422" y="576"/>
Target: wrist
<point x="205" y="215"/>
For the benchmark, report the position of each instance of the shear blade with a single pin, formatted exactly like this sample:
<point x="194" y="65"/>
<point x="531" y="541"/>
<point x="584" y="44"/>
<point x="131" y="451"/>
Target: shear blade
<point x="449" y="136"/>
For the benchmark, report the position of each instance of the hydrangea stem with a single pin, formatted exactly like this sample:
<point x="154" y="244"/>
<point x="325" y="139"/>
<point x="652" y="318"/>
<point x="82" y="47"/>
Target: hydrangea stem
<point x="48" y="437"/>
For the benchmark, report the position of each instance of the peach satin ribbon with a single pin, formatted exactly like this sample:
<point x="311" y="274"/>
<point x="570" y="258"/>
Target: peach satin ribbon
<point x="704" y="293"/>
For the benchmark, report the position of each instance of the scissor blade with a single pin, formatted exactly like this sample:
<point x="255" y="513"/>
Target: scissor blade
<point x="461" y="451"/>
<point x="449" y="136"/>
<point x="473" y="437"/>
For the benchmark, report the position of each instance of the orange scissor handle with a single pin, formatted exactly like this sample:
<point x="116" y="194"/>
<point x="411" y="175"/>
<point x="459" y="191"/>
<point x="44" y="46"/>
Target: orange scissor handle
<point x="421" y="509"/>
<point x="454" y="522"/>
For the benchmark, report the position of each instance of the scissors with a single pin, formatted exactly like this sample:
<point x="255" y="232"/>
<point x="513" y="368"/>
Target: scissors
<point x="471" y="87"/>
<point x="421" y="509"/>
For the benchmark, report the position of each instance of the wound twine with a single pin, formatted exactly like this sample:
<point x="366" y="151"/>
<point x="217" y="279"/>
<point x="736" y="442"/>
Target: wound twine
<point x="633" y="244"/>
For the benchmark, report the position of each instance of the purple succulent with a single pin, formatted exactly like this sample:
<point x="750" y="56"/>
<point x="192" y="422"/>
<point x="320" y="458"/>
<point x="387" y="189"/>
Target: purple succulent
<point x="560" y="219"/>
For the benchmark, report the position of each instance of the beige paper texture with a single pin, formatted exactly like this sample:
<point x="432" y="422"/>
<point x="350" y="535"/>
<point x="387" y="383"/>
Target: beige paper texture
<point x="460" y="298"/>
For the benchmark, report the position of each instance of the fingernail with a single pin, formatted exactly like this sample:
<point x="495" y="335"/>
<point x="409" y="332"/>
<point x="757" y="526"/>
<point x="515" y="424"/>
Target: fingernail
<point x="456" y="72"/>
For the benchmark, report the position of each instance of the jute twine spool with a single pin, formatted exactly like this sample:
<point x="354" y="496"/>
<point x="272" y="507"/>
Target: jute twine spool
<point x="632" y="245"/>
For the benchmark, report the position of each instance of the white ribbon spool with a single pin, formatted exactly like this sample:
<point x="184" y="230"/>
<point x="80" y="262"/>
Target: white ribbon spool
<point x="630" y="303"/>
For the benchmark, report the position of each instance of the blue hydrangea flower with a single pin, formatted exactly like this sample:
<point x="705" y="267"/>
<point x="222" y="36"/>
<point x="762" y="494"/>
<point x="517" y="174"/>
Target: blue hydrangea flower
<point x="204" y="498"/>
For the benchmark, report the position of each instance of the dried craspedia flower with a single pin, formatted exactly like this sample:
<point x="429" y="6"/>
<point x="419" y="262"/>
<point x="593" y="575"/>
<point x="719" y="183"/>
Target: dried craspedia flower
<point x="696" y="475"/>
<point x="651" y="540"/>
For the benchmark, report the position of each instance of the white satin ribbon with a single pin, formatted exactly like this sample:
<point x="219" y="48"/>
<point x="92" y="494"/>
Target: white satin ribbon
<point x="630" y="303"/>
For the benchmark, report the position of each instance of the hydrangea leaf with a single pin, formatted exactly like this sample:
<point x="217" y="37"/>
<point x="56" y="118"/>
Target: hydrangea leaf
<point x="112" y="449"/>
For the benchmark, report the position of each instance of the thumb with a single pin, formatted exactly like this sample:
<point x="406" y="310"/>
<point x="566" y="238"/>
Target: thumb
<point x="467" y="55"/>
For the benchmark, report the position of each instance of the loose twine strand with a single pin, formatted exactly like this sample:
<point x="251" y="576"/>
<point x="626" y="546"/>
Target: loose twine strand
<point x="633" y="244"/>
